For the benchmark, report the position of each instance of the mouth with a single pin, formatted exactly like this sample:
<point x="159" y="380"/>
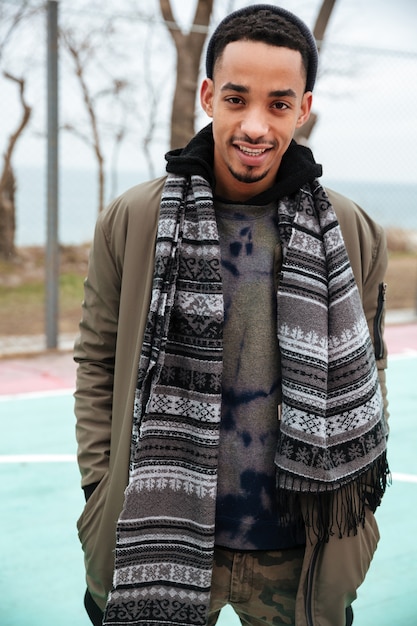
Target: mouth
<point x="252" y="151"/>
<point x="252" y="156"/>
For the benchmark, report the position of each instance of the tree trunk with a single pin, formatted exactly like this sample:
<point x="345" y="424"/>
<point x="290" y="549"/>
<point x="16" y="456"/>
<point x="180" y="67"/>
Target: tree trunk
<point x="303" y="134"/>
<point x="322" y="21"/>
<point x="7" y="215"/>
<point x="183" y="107"/>
<point x="7" y="180"/>
<point x="189" y="48"/>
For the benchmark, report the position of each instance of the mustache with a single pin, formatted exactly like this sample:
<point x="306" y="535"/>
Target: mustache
<point x="260" y="141"/>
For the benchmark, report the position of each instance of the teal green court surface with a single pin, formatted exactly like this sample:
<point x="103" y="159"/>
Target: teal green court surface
<point x="41" y="572"/>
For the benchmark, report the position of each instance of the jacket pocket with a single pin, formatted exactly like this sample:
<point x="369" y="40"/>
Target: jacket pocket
<point x="89" y="520"/>
<point x="379" y="316"/>
<point x="310" y="585"/>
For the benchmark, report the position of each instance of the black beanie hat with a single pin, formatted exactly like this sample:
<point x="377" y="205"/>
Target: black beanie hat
<point x="305" y="31"/>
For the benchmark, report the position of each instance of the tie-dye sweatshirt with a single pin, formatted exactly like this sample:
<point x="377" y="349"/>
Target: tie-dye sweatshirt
<point x="247" y="515"/>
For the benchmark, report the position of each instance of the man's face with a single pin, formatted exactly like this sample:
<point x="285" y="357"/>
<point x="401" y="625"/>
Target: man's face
<point x="256" y="101"/>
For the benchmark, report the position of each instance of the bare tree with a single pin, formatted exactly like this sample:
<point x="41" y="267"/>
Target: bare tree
<point x="11" y="19"/>
<point x="82" y="52"/>
<point x="152" y="114"/>
<point x="303" y="134"/>
<point x="12" y="22"/>
<point x="7" y="178"/>
<point x="189" y="48"/>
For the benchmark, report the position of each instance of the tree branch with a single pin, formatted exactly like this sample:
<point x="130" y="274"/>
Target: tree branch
<point x="202" y="17"/>
<point x="15" y="21"/>
<point x="89" y="104"/>
<point x="171" y="23"/>
<point x="27" y="110"/>
<point x="322" y="21"/>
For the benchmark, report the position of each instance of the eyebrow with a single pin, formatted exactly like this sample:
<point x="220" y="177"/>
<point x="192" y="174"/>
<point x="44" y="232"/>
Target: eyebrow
<point x="278" y="93"/>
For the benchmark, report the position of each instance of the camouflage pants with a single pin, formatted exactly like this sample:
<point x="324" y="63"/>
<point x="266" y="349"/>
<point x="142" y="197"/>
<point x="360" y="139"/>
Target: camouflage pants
<point x="261" y="586"/>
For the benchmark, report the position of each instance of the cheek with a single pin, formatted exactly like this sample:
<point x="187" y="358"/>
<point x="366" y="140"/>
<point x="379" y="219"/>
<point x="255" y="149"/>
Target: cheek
<point x="217" y="134"/>
<point x="219" y="127"/>
<point x="221" y="142"/>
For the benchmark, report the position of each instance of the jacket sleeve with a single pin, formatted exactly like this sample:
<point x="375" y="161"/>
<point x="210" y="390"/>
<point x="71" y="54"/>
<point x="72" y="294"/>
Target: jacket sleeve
<point x="95" y="354"/>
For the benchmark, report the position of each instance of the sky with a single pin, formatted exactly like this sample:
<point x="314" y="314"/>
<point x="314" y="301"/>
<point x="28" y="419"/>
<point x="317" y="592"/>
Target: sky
<point x="367" y="122"/>
<point x="376" y="23"/>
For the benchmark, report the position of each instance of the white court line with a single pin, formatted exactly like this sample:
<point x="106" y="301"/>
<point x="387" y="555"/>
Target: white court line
<point x="404" y="478"/>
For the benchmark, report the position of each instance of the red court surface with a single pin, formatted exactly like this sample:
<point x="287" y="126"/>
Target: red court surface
<point x="51" y="371"/>
<point x="38" y="372"/>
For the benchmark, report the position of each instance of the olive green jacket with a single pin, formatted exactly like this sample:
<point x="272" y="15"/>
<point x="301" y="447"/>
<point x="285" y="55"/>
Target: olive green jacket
<point x="115" y="308"/>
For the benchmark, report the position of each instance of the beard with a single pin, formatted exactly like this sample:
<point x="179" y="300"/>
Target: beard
<point x="249" y="176"/>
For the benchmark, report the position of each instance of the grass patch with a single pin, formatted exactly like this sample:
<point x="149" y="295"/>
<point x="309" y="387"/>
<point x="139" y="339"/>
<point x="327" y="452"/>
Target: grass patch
<point x="22" y="307"/>
<point x="22" y="288"/>
<point x="71" y="288"/>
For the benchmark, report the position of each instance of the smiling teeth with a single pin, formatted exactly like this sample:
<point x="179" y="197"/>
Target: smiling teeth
<point x="251" y="151"/>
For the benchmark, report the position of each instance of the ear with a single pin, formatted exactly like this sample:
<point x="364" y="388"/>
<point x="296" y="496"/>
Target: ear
<point x="305" y="109"/>
<point x="206" y="96"/>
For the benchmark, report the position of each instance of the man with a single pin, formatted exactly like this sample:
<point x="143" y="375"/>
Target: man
<point x="230" y="395"/>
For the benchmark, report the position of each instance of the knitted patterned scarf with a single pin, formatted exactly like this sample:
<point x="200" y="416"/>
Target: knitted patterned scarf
<point x="332" y="429"/>
<point x="333" y="433"/>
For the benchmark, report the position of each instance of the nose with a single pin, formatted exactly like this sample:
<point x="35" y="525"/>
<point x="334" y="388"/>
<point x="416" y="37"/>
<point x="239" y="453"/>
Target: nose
<point x="254" y="123"/>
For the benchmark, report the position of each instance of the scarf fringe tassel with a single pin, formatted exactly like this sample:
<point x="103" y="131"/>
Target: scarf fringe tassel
<point x="339" y="508"/>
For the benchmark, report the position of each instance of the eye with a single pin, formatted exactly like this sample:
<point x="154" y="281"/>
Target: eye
<point x="280" y="106"/>
<point x="234" y="100"/>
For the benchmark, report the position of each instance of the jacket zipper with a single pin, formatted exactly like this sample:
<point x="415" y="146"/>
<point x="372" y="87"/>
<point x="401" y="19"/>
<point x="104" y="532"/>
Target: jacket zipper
<point x="378" y="340"/>
<point x="309" y="593"/>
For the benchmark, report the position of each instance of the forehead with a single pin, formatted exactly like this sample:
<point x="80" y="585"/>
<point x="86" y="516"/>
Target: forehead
<point x="261" y="61"/>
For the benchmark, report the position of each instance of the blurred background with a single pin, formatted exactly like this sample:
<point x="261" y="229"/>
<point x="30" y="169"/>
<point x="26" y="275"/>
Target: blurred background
<point x="127" y="85"/>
